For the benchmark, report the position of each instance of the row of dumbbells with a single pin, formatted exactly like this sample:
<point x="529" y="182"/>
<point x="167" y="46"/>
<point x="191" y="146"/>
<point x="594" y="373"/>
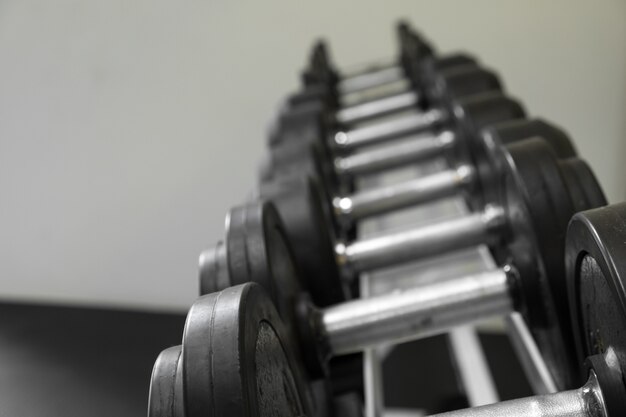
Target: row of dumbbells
<point x="279" y="324"/>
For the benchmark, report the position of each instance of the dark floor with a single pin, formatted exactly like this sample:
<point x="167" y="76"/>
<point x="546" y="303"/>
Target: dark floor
<point x="435" y="377"/>
<point x="57" y="361"/>
<point x="66" y="362"/>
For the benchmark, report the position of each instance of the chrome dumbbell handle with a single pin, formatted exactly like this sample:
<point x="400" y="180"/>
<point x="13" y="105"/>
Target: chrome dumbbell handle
<point x="419" y="312"/>
<point x="417" y="243"/>
<point x="395" y="155"/>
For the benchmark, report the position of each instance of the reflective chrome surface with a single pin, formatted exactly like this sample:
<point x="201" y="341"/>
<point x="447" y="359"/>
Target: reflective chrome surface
<point x="388" y="129"/>
<point x="420" y="242"/>
<point x="374" y="93"/>
<point x="376" y="108"/>
<point x="397" y="154"/>
<point x="415" y="313"/>
<point x="584" y="402"/>
<point x="404" y="194"/>
<point x="352" y="84"/>
<point x="474" y="372"/>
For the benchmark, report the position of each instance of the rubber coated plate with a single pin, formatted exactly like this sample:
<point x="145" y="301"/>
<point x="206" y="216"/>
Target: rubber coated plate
<point x="258" y="251"/>
<point x="214" y="274"/>
<point x="300" y="206"/>
<point x="473" y="114"/>
<point x="461" y="81"/>
<point x="302" y="123"/>
<point x="596" y="271"/>
<point x="501" y="134"/>
<point x="237" y="359"/>
<point x="165" y="398"/>
<point x="540" y="194"/>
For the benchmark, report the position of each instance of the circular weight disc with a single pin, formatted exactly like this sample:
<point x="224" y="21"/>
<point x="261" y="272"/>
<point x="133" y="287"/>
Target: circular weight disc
<point x="538" y="195"/>
<point x="314" y="93"/>
<point x="483" y="148"/>
<point x="165" y="398"/>
<point x="301" y="207"/>
<point x="294" y="159"/>
<point x="464" y="81"/>
<point x="237" y="359"/>
<point x="475" y="113"/>
<point x="516" y="130"/>
<point x="425" y="72"/>
<point x="257" y="250"/>
<point x="301" y="123"/>
<point x="596" y="277"/>
<point x="213" y="267"/>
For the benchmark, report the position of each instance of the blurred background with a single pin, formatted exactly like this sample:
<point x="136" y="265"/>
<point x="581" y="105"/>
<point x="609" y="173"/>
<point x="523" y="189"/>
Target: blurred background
<point x="129" y="127"/>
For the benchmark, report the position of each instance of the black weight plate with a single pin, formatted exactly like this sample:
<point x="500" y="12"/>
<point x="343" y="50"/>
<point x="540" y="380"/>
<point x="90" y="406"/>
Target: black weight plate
<point x="465" y="81"/>
<point x="596" y="276"/>
<point x="307" y="222"/>
<point x="434" y="65"/>
<point x="515" y="130"/>
<point x="305" y="122"/>
<point x="540" y="194"/>
<point x="214" y="273"/>
<point x="314" y="93"/>
<point x="257" y="250"/>
<point x="475" y="113"/>
<point x="299" y="158"/>
<point x="501" y="134"/>
<point x="238" y="359"/>
<point x="165" y="398"/>
<point x="414" y="49"/>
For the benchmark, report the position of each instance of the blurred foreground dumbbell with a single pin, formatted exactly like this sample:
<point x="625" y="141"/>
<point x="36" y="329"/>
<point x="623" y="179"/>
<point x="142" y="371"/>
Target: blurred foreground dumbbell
<point x="239" y="359"/>
<point x="532" y="197"/>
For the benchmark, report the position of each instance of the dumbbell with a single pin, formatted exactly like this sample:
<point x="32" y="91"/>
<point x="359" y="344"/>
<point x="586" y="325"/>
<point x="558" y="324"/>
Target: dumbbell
<point x="414" y="96"/>
<point x="462" y="148"/>
<point x="596" y="279"/>
<point x="335" y="174"/>
<point x="309" y="216"/>
<point x="320" y="70"/>
<point x="315" y="122"/>
<point x="538" y="195"/>
<point x="458" y="95"/>
<point x="461" y="178"/>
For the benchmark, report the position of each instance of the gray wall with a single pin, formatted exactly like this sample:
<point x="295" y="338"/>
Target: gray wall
<point x="127" y="128"/>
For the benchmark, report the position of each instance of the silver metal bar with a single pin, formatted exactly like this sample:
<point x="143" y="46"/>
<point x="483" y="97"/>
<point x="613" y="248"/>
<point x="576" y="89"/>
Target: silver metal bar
<point x="473" y="369"/>
<point x="418" y="243"/>
<point x="527" y="352"/>
<point x="583" y="402"/>
<point x="377" y="108"/>
<point x="419" y="312"/>
<point x="418" y="122"/>
<point x="362" y="68"/>
<point x="387" y="198"/>
<point x="372" y="369"/>
<point x="370" y="94"/>
<point x="394" y="155"/>
<point x="371" y="79"/>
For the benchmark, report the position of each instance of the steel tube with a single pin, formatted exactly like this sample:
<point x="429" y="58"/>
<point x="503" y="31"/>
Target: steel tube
<point x="391" y="129"/>
<point x="394" y="155"/>
<point x="352" y="84"/>
<point x="417" y="243"/>
<point x="583" y="402"/>
<point x="377" y="108"/>
<point x="419" y="312"/>
<point x="404" y="194"/>
<point x="530" y="358"/>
